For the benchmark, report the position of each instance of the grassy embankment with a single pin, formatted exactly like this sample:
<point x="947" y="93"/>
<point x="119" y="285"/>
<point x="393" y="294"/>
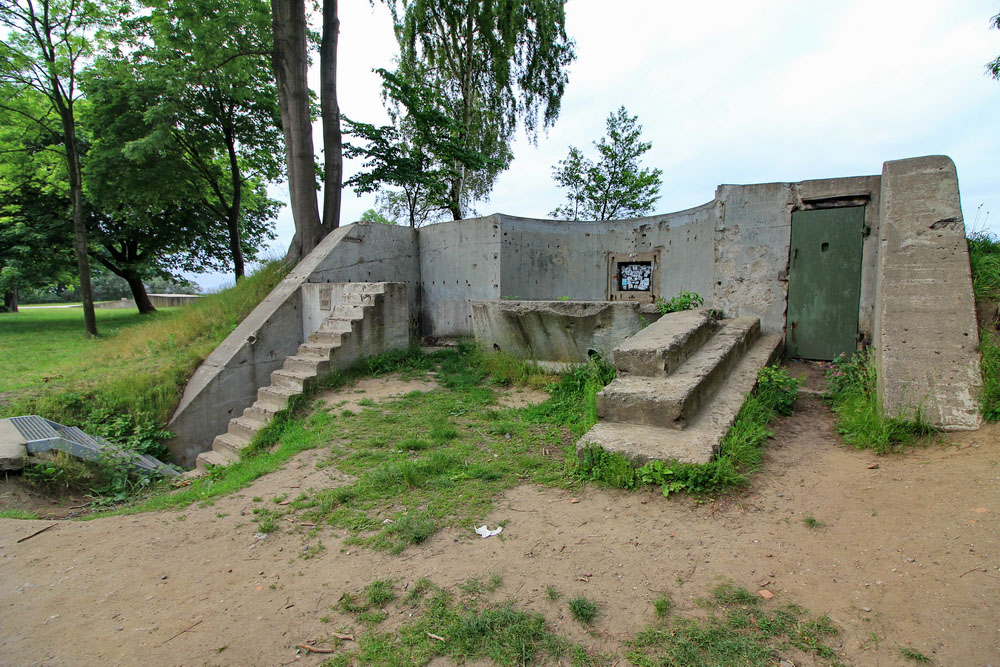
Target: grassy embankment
<point x="123" y="384"/>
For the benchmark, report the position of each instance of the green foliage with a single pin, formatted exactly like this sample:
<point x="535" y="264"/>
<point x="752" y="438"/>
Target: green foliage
<point x="615" y="186"/>
<point x="740" y="451"/>
<point x="125" y="386"/>
<point x="683" y="301"/>
<point x="913" y="654"/>
<point x="662" y="605"/>
<point x="738" y="630"/>
<point x="583" y="609"/>
<point x="812" y="522"/>
<point x="852" y="385"/>
<point x="993" y="67"/>
<point x="496" y="65"/>
<point x="984" y="259"/>
<point x="371" y="215"/>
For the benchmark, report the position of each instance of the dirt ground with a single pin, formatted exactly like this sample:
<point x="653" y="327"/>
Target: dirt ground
<point x="908" y="556"/>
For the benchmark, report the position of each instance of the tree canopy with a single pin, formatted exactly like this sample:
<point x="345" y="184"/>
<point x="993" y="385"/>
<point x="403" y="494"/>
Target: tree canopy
<point x="616" y="185"/>
<point x="993" y="67"/>
<point x="494" y="65"/>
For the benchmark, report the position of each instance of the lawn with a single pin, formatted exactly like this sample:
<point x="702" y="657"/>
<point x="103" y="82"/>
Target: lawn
<point x="48" y="345"/>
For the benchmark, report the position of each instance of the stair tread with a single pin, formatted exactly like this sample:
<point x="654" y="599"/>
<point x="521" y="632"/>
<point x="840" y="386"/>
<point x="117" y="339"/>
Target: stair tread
<point x="664" y="345"/>
<point x="301" y="375"/>
<point x="249" y="422"/>
<point x="287" y="392"/>
<point x="214" y="458"/>
<point x="699" y="441"/>
<point x="233" y="440"/>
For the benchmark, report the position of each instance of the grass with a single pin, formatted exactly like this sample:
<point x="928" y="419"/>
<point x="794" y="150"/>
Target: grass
<point x="984" y="260"/>
<point x="913" y="654"/>
<point x="583" y="609"/>
<point x="446" y="627"/>
<point x="124" y="384"/>
<point x="861" y="420"/>
<point x="662" y="605"/>
<point x="812" y="522"/>
<point x="740" y="451"/>
<point x="738" y="630"/>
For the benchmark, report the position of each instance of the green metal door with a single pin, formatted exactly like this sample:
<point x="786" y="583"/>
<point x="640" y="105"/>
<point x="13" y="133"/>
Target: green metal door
<point x="824" y="282"/>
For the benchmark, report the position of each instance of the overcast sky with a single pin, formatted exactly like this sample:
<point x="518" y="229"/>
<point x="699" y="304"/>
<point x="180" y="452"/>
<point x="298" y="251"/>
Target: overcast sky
<point x="739" y="92"/>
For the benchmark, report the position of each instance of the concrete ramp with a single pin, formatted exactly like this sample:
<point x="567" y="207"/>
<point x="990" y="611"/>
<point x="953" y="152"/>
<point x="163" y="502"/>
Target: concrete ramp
<point x="681" y="382"/>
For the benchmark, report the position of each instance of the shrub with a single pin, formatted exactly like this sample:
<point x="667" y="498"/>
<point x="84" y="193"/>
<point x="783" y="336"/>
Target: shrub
<point x="683" y="301"/>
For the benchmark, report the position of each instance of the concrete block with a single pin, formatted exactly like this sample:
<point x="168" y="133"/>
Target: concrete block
<point x="12" y="447"/>
<point x="927" y="339"/>
<point x="557" y="331"/>
<point x="661" y="347"/>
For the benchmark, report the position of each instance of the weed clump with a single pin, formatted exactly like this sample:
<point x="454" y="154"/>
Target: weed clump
<point x="583" y="609"/>
<point x="852" y="387"/>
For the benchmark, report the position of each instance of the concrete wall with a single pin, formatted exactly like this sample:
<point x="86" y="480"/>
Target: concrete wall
<point x="373" y="252"/>
<point x="925" y="322"/>
<point x="545" y="259"/>
<point x="459" y="261"/>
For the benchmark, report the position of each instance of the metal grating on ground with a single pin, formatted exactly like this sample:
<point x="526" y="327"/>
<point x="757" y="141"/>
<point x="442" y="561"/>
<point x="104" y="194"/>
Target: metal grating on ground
<point x="42" y="435"/>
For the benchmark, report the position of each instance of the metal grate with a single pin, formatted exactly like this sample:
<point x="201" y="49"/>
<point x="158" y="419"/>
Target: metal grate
<point x="33" y="428"/>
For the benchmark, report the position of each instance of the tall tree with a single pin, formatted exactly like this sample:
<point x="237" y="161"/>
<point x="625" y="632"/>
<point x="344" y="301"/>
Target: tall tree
<point x="290" y="60"/>
<point x="498" y="64"/>
<point x="417" y="155"/>
<point x="216" y="106"/>
<point x="151" y="211"/>
<point x="46" y="45"/>
<point x="615" y="186"/>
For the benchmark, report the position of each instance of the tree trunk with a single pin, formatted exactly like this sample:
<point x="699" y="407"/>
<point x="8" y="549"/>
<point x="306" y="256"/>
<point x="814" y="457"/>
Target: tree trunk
<point x="332" y="142"/>
<point x="79" y="228"/>
<point x="10" y="299"/>
<point x="290" y="61"/>
<point x="233" y="219"/>
<point x="139" y="294"/>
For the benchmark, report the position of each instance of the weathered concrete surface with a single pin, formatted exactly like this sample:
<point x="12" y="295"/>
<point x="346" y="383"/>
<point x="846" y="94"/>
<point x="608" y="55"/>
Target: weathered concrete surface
<point x="226" y="382"/>
<point x="660" y="348"/>
<point x="926" y="335"/>
<point x="13" y="447"/>
<point x="557" y="331"/>
<point x="699" y="441"/>
<point x="674" y="400"/>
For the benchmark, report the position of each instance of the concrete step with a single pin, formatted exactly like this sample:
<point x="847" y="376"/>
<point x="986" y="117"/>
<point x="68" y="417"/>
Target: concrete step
<point x="317" y="350"/>
<point x="346" y="311"/>
<point x="230" y="444"/>
<point x="672" y="401"/>
<point x="313" y="365"/>
<point x="245" y="427"/>
<point x="328" y="336"/>
<point x="665" y="344"/>
<point x="698" y="442"/>
<point x="292" y="379"/>
<point x="276" y="396"/>
<point x="262" y="412"/>
<point x="212" y="458"/>
<point x="364" y="288"/>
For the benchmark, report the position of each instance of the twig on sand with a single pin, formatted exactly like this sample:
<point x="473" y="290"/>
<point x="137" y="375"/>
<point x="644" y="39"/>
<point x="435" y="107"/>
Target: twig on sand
<point x="183" y="631"/>
<point x="37" y="532"/>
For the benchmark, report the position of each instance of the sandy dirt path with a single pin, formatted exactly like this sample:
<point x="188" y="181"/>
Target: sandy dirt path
<point x="908" y="556"/>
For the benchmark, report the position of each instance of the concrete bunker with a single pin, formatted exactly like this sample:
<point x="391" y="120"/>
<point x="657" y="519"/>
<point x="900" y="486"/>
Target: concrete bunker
<point x="778" y="253"/>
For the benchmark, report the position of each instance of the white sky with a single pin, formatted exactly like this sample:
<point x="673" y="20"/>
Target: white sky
<point x="739" y="92"/>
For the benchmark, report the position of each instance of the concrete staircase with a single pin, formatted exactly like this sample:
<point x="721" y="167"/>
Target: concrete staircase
<point x="681" y="382"/>
<point x="370" y="318"/>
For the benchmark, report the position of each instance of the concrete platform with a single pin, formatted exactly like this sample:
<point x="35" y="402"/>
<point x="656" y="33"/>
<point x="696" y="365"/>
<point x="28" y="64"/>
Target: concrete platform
<point x="663" y="346"/>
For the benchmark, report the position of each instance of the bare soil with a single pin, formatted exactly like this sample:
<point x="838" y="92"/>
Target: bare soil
<point x="904" y="554"/>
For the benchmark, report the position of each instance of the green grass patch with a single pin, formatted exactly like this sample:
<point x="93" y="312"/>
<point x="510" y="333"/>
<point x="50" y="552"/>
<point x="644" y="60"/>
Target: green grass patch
<point x="583" y="609"/>
<point x="447" y="627"/>
<point x="17" y="514"/>
<point x="984" y="260"/>
<point x="914" y="655"/>
<point x="739" y="629"/>
<point x="740" y="451"/>
<point x="861" y="420"/>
